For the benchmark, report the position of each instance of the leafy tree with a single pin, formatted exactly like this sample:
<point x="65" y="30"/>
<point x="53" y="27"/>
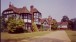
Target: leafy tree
<point x="70" y="24"/>
<point x="41" y="28"/>
<point x="65" y="19"/>
<point x="34" y="27"/>
<point x="2" y="24"/>
<point x="54" y="24"/>
<point x="15" y="26"/>
<point x="73" y="23"/>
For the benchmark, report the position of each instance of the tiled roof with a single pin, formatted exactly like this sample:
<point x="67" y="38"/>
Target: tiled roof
<point x="62" y="23"/>
<point x="17" y="10"/>
<point x="33" y="10"/>
<point x="45" y="19"/>
<point x="42" y="20"/>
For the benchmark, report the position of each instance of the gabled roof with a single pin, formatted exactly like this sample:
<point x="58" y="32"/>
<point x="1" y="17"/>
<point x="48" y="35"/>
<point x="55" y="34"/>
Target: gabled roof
<point x="62" y="23"/>
<point x="17" y="10"/>
<point x="33" y="9"/>
<point x="45" y="20"/>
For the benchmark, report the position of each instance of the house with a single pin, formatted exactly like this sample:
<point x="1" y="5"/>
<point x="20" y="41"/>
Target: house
<point x="62" y="25"/>
<point x="22" y="13"/>
<point x="36" y="16"/>
<point x="45" y="23"/>
<point x="27" y="16"/>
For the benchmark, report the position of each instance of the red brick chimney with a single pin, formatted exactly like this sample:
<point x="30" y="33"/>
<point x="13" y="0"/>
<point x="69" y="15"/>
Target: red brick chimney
<point x="31" y="11"/>
<point x="31" y="8"/>
<point x="10" y="4"/>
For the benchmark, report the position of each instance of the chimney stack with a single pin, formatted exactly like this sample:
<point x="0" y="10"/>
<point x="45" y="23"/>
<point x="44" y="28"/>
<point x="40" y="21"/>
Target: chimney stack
<point x="10" y="4"/>
<point x="31" y="8"/>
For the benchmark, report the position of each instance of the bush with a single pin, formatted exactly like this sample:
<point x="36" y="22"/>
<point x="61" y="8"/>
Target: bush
<point x="34" y="27"/>
<point x="15" y="26"/>
<point x="54" y="25"/>
<point x="41" y="28"/>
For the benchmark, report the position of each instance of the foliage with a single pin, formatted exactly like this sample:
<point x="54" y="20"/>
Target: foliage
<point x="2" y="24"/>
<point x="14" y="25"/>
<point x="73" y="23"/>
<point x="41" y="27"/>
<point x="20" y="23"/>
<point x="34" y="27"/>
<point x="54" y="25"/>
<point x="65" y="19"/>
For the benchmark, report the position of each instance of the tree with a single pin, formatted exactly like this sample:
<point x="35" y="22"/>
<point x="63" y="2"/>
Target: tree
<point x="54" y="24"/>
<point x="73" y="23"/>
<point x="70" y="24"/>
<point x="15" y="25"/>
<point x="34" y="27"/>
<point x="65" y="19"/>
<point x="2" y="24"/>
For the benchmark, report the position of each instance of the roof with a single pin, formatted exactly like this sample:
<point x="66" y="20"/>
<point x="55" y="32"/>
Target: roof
<point x="45" y="20"/>
<point x="17" y="10"/>
<point x="33" y="9"/>
<point x="62" y="23"/>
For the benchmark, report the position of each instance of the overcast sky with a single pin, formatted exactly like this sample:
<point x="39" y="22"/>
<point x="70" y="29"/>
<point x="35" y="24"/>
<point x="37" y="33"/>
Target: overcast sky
<point x="55" y="8"/>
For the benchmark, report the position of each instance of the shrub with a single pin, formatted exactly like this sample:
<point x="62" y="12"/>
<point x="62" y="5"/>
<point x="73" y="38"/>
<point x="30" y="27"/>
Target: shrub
<point x="54" y="25"/>
<point x="15" y="26"/>
<point x="34" y="27"/>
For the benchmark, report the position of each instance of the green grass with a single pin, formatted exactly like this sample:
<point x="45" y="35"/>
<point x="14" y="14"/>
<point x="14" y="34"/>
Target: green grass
<point x="23" y="35"/>
<point x="72" y="35"/>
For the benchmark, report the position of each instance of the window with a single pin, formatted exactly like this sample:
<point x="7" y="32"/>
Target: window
<point x="35" y="15"/>
<point x="17" y="16"/>
<point x="5" y="12"/>
<point x="25" y="20"/>
<point x="12" y="15"/>
<point x="9" y="15"/>
<point x="24" y="16"/>
<point x="39" y="15"/>
<point x="36" y="20"/>
<point x="5" y="16"/>
<point x="29" y="16"/>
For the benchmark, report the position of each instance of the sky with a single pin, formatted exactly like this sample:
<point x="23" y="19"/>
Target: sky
<point x="54" y="8"/>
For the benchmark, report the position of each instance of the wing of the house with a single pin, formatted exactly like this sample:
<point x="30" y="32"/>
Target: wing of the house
<point x="62" y="25"/>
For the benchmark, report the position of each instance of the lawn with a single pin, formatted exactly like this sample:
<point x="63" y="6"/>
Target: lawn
<point x="72" y="35"/>
<point x="23" y="35"/>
